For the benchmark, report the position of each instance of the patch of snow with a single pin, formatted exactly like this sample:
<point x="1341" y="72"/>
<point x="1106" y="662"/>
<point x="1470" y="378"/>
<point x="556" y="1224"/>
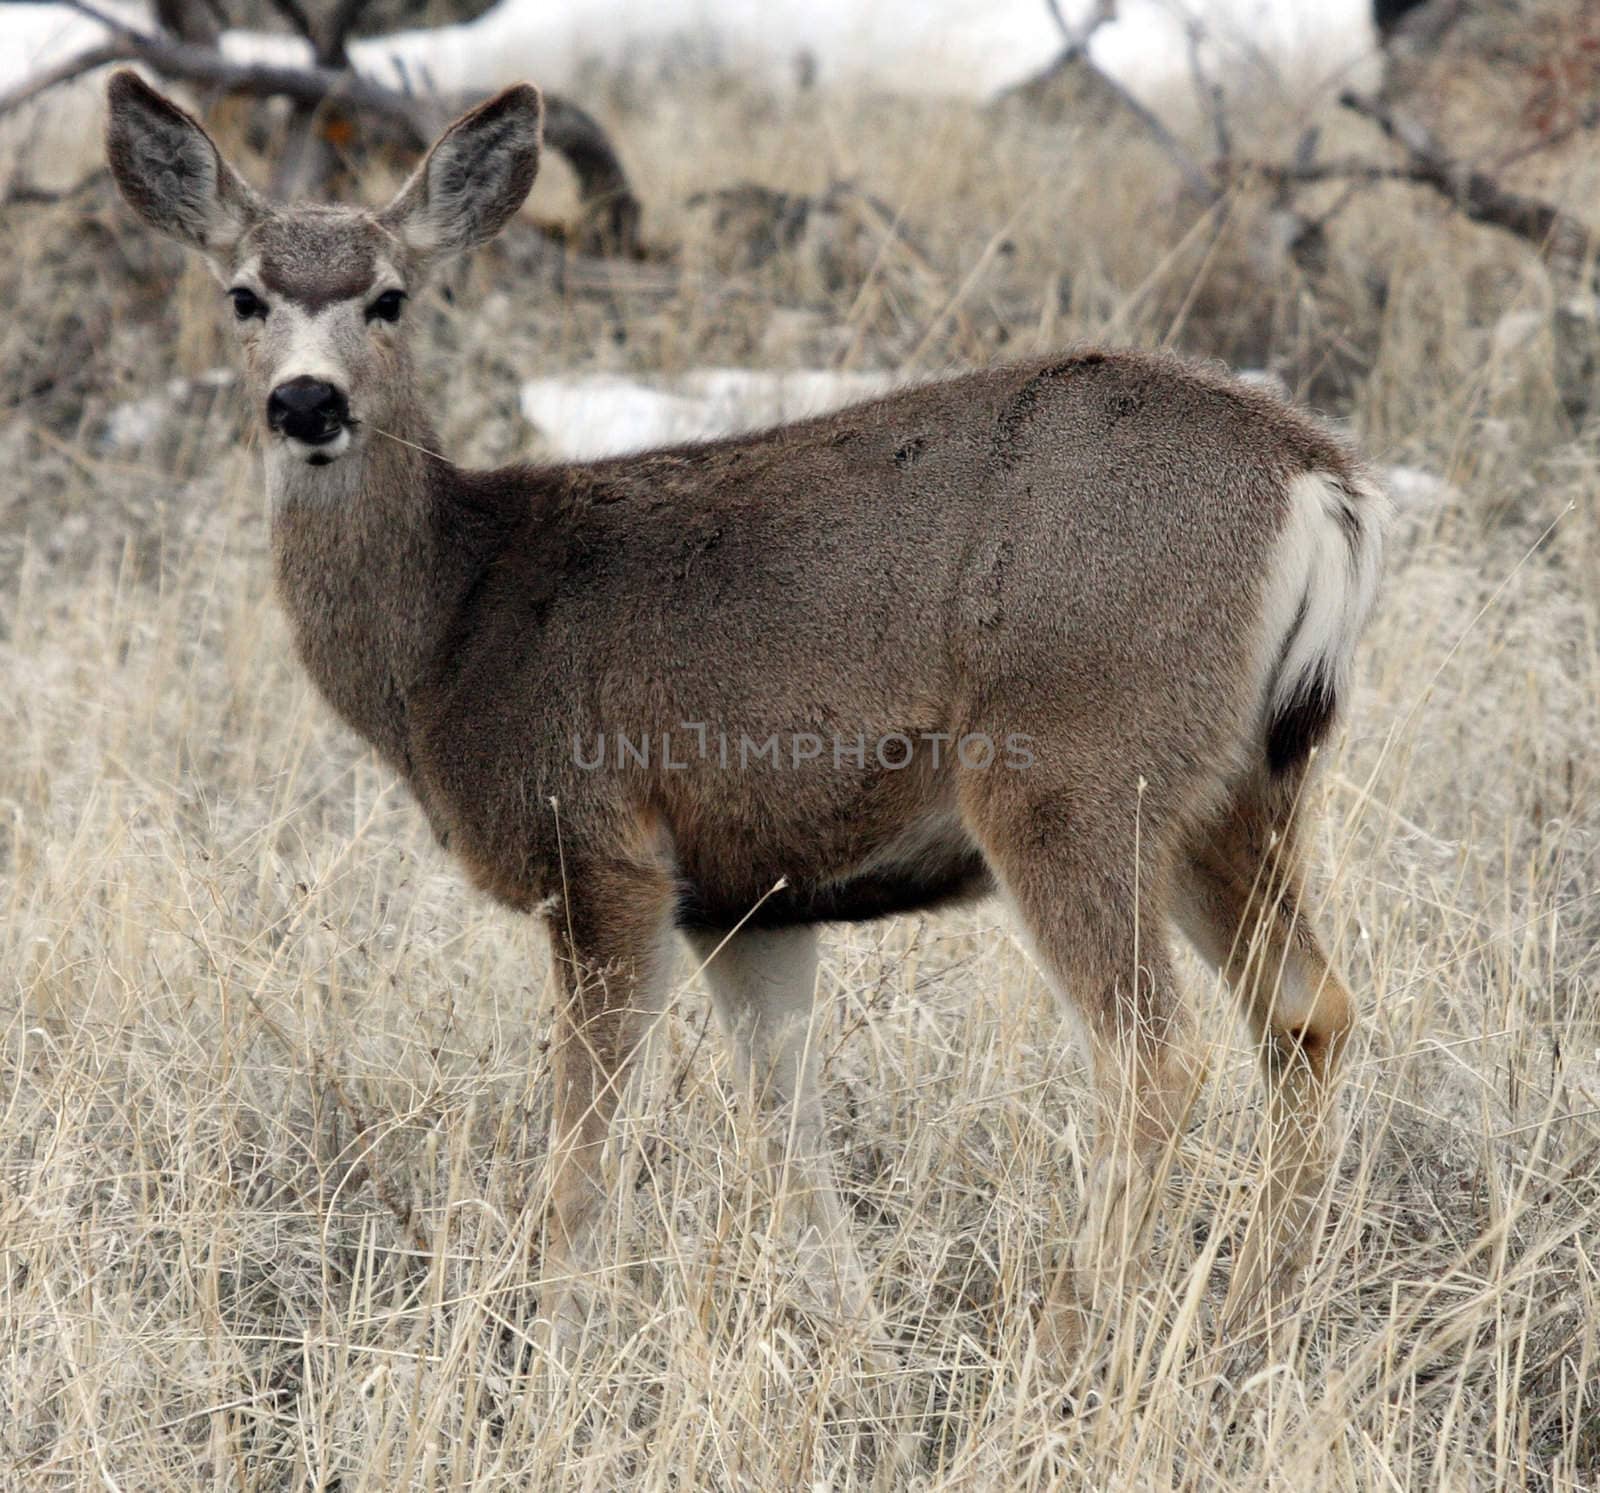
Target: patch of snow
<point x="133" y="425"/>
<point x="1265" y="378"/>
<point x="596" y="415"/>
<point x="951" y="47"/>
<point x="1416" y="490"/>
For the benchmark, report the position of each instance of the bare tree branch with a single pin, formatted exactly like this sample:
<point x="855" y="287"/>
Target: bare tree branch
<point x="294" y="13"/>
<point x="1197" y="181"/>
<point x="312" y="160"/>
<point x="1208" y="90"/>
<point x="611" y="210"/>
<point x="331" y="51"/>
<point x="21" y="191"/>
<point x="105" y="18"/>
<point x="413" y="118"/>
<point x="63" y="72"/>
<point x="1076" y="39"/>
<point x="1559" y="237"/>
<point x="1196" y="178"/>
<point x="1417" y="27"/>
<point x="188" y="21"/>
<point x="1310" y="173"/>
<point x="1580" y="124"/>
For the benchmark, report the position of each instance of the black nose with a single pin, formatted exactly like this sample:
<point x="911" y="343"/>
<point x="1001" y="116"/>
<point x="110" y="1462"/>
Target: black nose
<point x="307" y="409"/>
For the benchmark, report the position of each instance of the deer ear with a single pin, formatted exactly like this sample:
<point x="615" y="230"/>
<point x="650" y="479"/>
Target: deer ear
<point x="171" y="174"/>
<point x="475" y="177"/>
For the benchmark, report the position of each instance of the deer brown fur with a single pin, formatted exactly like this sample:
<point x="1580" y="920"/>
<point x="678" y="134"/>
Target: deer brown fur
<point x="1141" y="576"/>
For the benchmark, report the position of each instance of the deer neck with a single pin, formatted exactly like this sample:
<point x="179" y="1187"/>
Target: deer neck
<point x="370" y="571"/>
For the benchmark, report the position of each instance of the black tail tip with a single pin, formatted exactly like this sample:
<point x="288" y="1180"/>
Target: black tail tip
<point x="1301" y="724"/>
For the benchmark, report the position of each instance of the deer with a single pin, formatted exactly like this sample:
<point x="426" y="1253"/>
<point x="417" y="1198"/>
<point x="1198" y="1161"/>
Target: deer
<point x="1070" y="631"/>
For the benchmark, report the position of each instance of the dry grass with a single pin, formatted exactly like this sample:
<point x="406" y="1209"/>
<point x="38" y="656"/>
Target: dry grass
<point x="274" y="1087"/>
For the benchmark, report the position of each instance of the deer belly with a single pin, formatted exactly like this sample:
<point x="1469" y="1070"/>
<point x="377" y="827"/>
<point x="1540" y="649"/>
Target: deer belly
<point x="930" y="864"/>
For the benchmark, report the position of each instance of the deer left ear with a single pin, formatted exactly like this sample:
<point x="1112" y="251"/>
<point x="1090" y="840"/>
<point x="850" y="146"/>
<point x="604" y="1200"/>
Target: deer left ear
<point x="171" y="173"/>
<point x="477" y="175"/>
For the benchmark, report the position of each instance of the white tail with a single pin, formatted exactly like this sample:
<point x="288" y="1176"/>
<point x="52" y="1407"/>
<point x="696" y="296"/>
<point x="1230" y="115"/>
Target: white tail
<point x="1323" y="582"/>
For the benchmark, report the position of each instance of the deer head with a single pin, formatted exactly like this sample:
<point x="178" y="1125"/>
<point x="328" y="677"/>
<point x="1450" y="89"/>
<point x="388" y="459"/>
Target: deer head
<point x="317" y="293"/>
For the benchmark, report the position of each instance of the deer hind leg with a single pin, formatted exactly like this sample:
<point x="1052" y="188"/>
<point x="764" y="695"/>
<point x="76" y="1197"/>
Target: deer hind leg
<point x="612" y="938"/>
<point x="1086" y="877"/>
<point x="1242" y="904"/>
<point x="762" y="983"/>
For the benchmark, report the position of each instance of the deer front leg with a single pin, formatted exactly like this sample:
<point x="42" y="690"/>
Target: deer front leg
<point x="612" y="941"/>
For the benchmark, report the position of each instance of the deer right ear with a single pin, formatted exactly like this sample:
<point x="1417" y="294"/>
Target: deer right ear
<point x="171" y="174"/>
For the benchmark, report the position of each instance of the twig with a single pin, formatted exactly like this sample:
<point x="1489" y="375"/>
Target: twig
<point x="294" y="13"/>
<point x="23" y="191"/>
<point x="1307" y="245"/>
<point x="187" y="21"/>
<point x="1581" y="124"/>
<point x="1279" y="174"/>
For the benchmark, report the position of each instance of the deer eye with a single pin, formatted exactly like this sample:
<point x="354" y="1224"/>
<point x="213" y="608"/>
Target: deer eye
<point x="246" y="303"/>
<point x="387" y="306"/>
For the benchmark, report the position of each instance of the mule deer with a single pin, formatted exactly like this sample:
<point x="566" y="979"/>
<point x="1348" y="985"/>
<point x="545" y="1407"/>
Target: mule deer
<point x="1135" y="584"/>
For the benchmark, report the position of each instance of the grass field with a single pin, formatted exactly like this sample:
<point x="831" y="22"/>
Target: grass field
<point x="273" y="1084"/>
